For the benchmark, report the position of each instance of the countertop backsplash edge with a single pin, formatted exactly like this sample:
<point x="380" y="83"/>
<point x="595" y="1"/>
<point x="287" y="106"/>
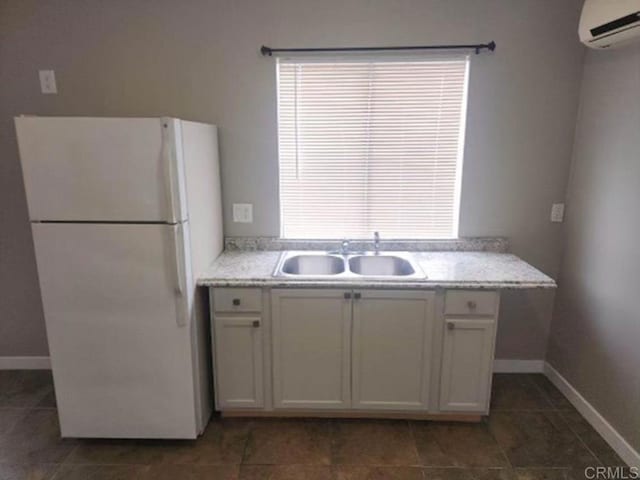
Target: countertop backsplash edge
<point x="468" y="244"/>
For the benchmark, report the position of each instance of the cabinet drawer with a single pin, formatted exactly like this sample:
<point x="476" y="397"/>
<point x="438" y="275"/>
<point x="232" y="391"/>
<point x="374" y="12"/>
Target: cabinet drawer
<point x="237" y="299"/>
<point x="470" y="302"/>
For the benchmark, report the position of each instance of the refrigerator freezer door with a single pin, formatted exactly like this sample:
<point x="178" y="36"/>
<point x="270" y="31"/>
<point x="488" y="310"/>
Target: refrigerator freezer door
<point x="122" y="364"/>
<point x="102" y="169"/>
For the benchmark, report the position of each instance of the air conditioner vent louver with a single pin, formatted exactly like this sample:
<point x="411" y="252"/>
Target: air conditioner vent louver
<point x="616" y="24"/>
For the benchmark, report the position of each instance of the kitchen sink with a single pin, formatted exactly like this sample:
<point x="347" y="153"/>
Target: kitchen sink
<point x="315" y="265"/>
<point x="349" y="266"/>
<point x="380" y="265"/>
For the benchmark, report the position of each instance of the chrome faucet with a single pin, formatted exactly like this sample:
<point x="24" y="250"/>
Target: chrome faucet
<point x="344" y="247"/>
<point x="376" y="242"/>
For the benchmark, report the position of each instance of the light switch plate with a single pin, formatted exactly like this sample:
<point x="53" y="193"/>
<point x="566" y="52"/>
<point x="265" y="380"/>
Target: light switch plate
<point x="47" y="81"/>
<point x="557" y="212"/>
<point x="243" y="212"/>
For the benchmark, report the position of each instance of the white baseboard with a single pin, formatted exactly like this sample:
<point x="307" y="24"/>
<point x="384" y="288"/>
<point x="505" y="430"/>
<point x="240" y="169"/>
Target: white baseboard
<point x="25" y="363"/>
<point x="518" y="366"/>
<point x="597" y="421"/>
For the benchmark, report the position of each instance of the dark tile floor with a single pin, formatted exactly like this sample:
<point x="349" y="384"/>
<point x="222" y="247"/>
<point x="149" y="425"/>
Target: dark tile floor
<point x="533" y="433"/>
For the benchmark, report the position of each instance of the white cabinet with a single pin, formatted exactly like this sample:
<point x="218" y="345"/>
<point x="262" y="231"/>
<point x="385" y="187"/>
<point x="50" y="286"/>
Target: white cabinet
<point x="238" y="361"/>
<point x="311" y="335"/>
<point x="467" y="359"/>
<point x="392" y="338"/>
<point x="375" y="350"/>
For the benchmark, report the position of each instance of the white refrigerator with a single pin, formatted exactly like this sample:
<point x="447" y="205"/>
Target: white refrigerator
<point x="125" y="213"/>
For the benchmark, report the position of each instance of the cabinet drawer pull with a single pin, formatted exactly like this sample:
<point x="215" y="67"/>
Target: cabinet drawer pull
<point x="451" y="326"/>
<point x="357" y="295"/>
<point x="347" y="295"/>
<point x="256" y="323"/>
<point x="236" y="301"/>
<point x="472" y="305"/>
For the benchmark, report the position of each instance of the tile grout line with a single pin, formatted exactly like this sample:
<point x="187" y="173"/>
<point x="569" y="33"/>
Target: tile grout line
<point x="523" y="410"/>
<point x="502" y="450"/>
<point x="544" y="394"/>
<point x="64" y="461"/>
<point x="56" y="470"/>
<point x="332" y="442"/>
<point x="33" y="407"/>
<point x="579" y="437"/>
<point x="559" y="411"/>
<point x="246" y="445"/>
<point x="415" y="443"/>
<point x="105" y="464"/>
<point x="553" y="408"/>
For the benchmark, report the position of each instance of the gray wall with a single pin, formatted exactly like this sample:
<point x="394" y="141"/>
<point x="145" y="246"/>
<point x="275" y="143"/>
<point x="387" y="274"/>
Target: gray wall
<point x="595" y="333"/>
<point x="199" y="59"/>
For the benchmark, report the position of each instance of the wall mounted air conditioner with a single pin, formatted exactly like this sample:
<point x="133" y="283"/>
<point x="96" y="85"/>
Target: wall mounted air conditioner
<point x="609" y="23"/>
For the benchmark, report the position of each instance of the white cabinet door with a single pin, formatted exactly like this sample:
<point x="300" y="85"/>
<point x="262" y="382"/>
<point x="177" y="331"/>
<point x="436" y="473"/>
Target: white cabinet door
<point x="238" y="356"/>
<point x="392" y="334"/>
<point x="466" y="364"/>
<point x="311" y="348"/>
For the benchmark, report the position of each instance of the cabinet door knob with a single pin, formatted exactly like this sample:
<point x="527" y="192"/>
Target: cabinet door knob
<point x="347" y="295"/>
<point x="357" y="295"/>
<point x="236" y="301"/>
<point x="471" y="304"/>
<point x="256" y="323"/>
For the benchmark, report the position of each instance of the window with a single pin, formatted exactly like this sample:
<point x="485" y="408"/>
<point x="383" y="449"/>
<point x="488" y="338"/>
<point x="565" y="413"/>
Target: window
<point x="371" y="145"/>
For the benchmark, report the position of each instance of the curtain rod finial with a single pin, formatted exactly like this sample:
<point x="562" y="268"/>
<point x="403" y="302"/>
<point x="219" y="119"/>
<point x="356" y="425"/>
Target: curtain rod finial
<point x="266" y="51"/>
<point x="492" y="45"/>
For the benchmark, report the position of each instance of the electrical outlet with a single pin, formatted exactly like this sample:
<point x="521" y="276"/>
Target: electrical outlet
<point x="243" y="212"/>
<point x="557" y="212"/>
<point x="48" y="81"/>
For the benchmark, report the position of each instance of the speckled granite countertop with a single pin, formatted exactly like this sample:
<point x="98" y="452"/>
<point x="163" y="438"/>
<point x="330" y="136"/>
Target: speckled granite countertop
<point x="487" y="270"/>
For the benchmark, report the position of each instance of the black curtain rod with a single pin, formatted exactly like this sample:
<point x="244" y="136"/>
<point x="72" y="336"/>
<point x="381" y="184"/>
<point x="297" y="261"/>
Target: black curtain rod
<point x="478" y="47"/>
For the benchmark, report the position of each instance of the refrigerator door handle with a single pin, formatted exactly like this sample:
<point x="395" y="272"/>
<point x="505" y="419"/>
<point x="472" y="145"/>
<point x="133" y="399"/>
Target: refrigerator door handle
<point x="169" y="162"/>
<point x="180" y="274"/>
<point x="178" y="248"/>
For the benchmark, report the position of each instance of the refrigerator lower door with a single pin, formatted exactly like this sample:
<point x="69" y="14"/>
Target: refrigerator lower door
<point x="118" y="326"/>
<point x="102" y="169"/>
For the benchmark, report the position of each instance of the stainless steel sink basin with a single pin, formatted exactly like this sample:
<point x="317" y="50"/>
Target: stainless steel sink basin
<point x="352" y="266"/>
<point x="380" y="266"/>
<point x="313" y="265"/>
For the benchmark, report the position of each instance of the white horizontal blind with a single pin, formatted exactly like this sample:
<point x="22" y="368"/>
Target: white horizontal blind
<point x="369" y="146"/>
